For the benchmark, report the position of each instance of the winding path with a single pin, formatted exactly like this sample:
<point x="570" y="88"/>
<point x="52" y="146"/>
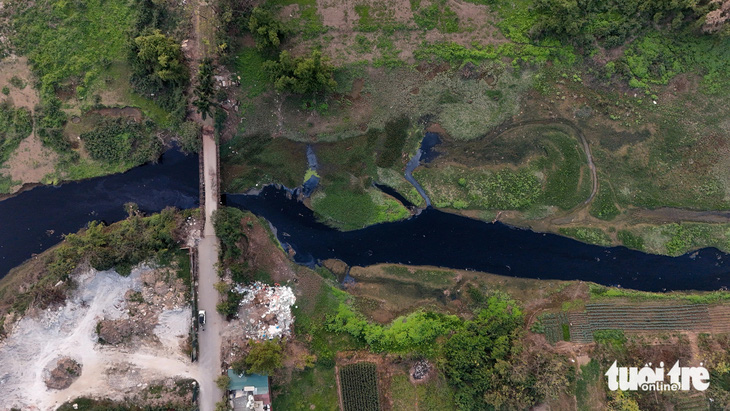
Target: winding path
<point x="505" y="127"/>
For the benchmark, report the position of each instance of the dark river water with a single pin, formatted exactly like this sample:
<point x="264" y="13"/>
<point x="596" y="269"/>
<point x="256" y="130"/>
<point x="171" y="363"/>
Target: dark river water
<point x="447" y="240"/>
<point x="35" y="220"/>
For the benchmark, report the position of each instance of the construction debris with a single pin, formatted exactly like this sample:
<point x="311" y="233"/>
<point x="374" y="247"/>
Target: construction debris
<point x="266" y="310"/>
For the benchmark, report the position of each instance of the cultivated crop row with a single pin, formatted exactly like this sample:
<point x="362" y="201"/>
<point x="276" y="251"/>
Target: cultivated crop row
<point x="359" y="385"/>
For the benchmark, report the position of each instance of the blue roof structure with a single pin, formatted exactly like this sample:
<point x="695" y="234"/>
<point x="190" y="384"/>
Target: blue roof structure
<point x="260" y="382"/>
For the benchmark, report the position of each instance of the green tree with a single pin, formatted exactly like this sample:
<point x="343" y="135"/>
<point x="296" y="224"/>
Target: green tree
<point x="265" y="28"/>
<point x="223" y="381"/>
<point x="301" y="75"/>
<point x="162" y="56"/>
<point x="264" y="358"/>
<point x="478" y="354"/>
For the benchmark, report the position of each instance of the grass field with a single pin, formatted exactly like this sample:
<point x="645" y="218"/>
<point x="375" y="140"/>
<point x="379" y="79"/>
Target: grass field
<point x="82" y="41"/>
<point x="434" y="394"/>
<point x="519" y="170"/>
<point x="314" y="387"/>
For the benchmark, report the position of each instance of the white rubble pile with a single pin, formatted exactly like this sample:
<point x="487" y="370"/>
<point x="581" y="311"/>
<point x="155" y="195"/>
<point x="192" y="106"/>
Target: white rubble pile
<point x="266" y="310"/>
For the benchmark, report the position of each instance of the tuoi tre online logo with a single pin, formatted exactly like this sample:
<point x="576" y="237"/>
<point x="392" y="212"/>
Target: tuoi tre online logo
<point x="653" y="379"/>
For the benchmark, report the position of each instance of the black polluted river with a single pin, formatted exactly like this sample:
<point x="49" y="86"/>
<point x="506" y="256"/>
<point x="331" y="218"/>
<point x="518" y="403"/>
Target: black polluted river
<point x="35" y="220"/>
<point x="446" y="240"/>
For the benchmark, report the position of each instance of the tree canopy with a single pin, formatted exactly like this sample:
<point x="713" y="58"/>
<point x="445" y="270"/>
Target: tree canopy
<point x="301" y="74"/>
<point x="160" y="56"/>
<point x="265" y="28"/>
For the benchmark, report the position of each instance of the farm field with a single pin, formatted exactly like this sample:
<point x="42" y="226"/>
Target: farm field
<point x="359" y="386"/>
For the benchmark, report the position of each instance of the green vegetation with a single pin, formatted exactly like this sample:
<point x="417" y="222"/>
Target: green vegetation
<point x="15" y="125"/>
<point x="302" y="75"/>
<point x="630" y="240"/>
<point x="352" y="208"/>
<point x="119" y="246"/>
<point x="190" y="137"/>
<point x="557" y="177"/>
<point x="266" y="29"/>
<point x="160" y="58"/>
<point x="359" y="384"/>
<point x="676" y="239"/>
<point x="396" y="133"/>
<point x="120" y="141"/>
<point x="313" y="386"/>
<point x="264" y="358"/>
<point x="590" y="235"/>
<point x="604" y="205"/>
<point x="436" y="277"/>
<point x="249" y="62"/>
<point x="83" y="39"/>
<point x="436" y="16"/>
<point x="601" y="292"/>
<point x="589" y="376"/>
<point x="204" y="89"/>
<point x="433" y="395"/>
<point x="257" y="160"/>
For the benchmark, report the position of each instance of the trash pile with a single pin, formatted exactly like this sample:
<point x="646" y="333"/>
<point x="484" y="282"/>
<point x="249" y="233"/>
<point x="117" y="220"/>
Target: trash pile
<point x="266" y="310"/>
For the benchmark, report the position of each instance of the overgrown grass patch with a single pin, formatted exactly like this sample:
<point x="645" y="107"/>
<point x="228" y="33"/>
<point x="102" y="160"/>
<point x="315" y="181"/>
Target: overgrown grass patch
<point x="350" y="208"/>
<point x="248" y="63"/>
<point x="249" y="161"/>
<point x="604" y="206"/>
<point x="435" y="394"/>
<point x="677" y="239"/>
<point x="588" y="235"/>
<point x="313" y="387"/>
<point x="598" y="292"/>
<point x="66" y="40"/>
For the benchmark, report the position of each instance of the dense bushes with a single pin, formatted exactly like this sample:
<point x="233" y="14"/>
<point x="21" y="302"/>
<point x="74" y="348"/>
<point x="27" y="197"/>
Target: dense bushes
<point x="396" y="133"/>
<point x="263" y="358"/>
<point x="266" y="29"/>
<point x="609" y="23"/>
<point x="483" y="359"/>
<point x="15" y="125"/>
<point x="415" y="333"/>
<point x="228" y="228"/>
<point x="119" y="246"/>
<point x="120" y="141"/>
<point x="50" y="120"/>
<point x="302" y="75"/>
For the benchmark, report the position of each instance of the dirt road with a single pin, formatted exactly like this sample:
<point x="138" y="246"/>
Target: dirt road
<point x="70" y="330"/>
<point x="210" y="338"/>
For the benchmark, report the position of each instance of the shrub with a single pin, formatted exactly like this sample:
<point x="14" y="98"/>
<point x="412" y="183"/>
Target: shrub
<point x="301" y="75"/>
<point x="265" y="28"/>
<point x="120" y="141"/>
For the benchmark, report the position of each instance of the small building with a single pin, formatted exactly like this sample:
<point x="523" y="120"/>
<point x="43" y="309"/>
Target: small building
<point x="249" y="392"/>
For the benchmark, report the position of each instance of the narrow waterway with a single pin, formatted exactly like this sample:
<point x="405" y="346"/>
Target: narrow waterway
<point x="37" y="219"/>
<point x="446" y="240"/>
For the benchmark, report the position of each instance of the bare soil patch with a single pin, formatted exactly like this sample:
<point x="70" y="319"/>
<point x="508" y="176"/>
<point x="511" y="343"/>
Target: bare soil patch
<point x="30" y="162"/>
<point x="70" y="330"/>
<point x="18" y="67"/>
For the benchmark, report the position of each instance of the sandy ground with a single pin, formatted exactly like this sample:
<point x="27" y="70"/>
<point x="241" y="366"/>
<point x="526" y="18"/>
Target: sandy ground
<point x="70" y="331"/>
<point x="30" y="162"/>
<point x="18" y="66"/>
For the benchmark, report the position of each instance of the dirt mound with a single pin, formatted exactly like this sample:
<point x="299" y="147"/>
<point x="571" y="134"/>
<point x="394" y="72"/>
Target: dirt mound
<point x="66" y="371"/>
<point x="161" y="291"/>
<point x="119" y="331"/>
